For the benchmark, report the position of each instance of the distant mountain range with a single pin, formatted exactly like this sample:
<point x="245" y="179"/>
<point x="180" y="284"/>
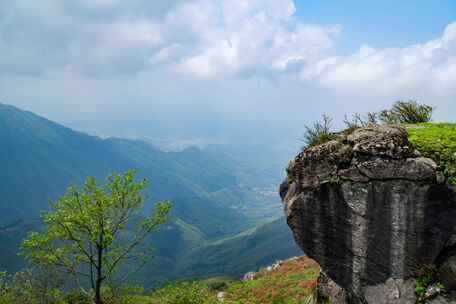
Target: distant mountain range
<point x="215" y="194"/>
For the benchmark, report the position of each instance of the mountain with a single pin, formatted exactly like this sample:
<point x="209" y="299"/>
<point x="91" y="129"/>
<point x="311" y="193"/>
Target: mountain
<point x="242" y="253"/>
<point x="215" y="194"/>
<point x="40" y="159"/>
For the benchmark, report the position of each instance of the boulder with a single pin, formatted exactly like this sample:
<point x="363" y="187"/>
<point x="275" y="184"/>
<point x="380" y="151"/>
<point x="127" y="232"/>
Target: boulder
<point x="443" y="300"/>
<point x="370" y="211"/>
<point x="447" y="272"/>
<point x="393" y="291"/>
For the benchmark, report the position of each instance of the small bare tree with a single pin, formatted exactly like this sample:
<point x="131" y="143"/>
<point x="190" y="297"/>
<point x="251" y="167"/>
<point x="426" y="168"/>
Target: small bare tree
<point x="319" y="132"/>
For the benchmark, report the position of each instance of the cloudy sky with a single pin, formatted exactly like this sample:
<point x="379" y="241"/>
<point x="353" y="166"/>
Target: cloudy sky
<point x="223" y="68"/>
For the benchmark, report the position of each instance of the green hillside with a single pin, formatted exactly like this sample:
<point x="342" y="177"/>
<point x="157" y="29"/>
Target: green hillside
<point x="40" y="159"/>
<point x="242" y="253"/>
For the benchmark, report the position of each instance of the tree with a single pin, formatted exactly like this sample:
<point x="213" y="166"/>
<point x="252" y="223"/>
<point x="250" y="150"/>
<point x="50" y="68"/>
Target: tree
<point x="82" y="231"/>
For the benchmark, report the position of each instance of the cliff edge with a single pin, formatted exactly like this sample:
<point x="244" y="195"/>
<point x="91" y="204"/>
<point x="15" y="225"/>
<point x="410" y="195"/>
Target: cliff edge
<point x="374" y="214"/>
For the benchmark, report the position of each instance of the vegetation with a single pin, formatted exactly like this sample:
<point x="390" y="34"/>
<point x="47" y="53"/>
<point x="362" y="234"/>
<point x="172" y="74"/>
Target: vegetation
<point x="438" y="142"/>
<point x="292" y="282"/>
<point x="402" y="112"/>
<point x="434" y="140"/>
<point x="184" y="293"/>
<point x="426" y="277"/>
<point x="406" y="112"/>
<point x="31" y="287"/>
<point x="82" y="232"/>
<point x="356" y="121"/>
<point x="318" y="133"/>
<point x="289" y="282"/>
<point x="422" y="283"/>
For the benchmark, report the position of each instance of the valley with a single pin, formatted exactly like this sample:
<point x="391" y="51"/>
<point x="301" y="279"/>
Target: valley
<point x="226" y="214"/>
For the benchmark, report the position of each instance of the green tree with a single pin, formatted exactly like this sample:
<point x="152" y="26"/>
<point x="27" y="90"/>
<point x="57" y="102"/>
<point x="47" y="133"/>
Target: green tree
<point x="82" y="231"/>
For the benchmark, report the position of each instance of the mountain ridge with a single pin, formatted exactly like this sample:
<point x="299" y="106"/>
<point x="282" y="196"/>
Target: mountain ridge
<point x="41" y="158"/>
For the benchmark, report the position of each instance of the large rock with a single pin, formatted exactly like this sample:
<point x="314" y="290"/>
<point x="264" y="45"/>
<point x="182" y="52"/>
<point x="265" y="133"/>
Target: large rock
<point x="447" y="272"/>
<point x="369" y="210"/>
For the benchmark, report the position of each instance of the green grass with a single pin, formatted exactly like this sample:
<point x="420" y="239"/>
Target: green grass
<point x="436" y="141"/>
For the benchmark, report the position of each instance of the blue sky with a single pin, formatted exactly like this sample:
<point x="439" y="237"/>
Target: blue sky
<point x="381" y="24"/>
<point x="223" y="68"/>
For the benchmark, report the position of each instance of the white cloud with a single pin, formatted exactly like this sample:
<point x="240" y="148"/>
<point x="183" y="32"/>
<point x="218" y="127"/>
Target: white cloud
<point x="199" y="37"/>
<point x="207" y="39"/>
<point x="239" y="38"/>
<point x="430" y="66"/>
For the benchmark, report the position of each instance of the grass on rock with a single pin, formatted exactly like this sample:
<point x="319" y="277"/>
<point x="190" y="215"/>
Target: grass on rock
<point x="438" y="142"/>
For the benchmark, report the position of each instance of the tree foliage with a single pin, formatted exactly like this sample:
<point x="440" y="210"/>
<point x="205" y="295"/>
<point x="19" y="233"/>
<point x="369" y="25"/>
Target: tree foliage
<point x="82" y="231"/>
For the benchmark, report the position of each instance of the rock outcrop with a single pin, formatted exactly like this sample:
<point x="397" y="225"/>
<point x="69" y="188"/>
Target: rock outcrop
<point x="371" y="212"/>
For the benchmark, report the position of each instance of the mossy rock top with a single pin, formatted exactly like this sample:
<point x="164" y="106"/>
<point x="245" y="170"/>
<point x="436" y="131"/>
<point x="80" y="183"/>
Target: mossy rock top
<point x="438" y="142"/>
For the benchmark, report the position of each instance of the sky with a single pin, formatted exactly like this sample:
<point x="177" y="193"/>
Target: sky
<point x="245" y="70"/>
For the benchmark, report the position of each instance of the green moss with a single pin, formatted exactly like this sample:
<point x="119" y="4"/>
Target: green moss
<point x="436" y="141"/>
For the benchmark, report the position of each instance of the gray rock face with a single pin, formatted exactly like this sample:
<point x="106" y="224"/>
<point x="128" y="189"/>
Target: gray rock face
<point x="368" y="209"/>
<point x="329" y="290"/>
<point x="447" y="272"/>
<point x="443" y="300"/>
<point x="392" y="292"/>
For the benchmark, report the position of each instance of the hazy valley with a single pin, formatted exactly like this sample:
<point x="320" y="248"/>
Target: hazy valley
<point x="226" y="215"/>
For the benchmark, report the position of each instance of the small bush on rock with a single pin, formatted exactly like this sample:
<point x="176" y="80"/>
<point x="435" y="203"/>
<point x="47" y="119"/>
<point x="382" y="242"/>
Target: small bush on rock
<point x="318" y="133"/>
<point x="407" y="112"/>
<point x="357" y="121"/>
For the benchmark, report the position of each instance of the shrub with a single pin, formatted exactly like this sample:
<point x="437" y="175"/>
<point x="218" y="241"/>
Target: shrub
<point x="409" y="112"/>
<point x="356" y="121"/>
<point x="184" y="293"/>
<point x="124" y="294"/>
<point x="217" y="283"/>
<point x="76" y="296"/>
<point x="318" y="133"/>
<point x="426" y="277"/>
<point x="31" y="287"/>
